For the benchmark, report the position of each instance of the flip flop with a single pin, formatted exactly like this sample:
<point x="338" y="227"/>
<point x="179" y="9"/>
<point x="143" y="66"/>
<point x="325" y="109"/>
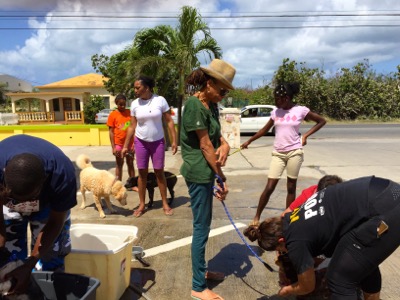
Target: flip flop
<point x="168" y="211"/>
<point x="216" y="276"/>
<point x="206" y="297"/>
<point x="138" y="213"/>
<point x="215" y="298"/>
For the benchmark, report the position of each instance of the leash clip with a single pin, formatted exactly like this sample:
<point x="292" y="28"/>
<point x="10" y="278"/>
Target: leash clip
<point x="220" y="184"/>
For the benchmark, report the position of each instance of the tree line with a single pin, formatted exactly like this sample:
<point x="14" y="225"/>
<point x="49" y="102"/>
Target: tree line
<point x="350" y="94"/>
<point x="170" y="54"/>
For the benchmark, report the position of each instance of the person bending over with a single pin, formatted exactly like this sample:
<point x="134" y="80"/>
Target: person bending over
<point x="37" y="187"/>
<point x="355" y="223"/>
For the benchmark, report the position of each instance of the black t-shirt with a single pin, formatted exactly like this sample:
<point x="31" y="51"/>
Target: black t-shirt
<point x="60" y="187"/>
<point x="316" y="227"/>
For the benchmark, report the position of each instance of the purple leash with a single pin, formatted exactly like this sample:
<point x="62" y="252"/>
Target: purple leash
<point x="220" y="182"/>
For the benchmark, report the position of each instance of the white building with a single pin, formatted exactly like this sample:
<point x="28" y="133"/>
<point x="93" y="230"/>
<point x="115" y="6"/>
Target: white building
<point x="14" y="84"/>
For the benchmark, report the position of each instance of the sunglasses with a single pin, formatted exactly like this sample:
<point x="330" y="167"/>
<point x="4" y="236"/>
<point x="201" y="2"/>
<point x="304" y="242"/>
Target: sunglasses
<point x="222" y="92"/>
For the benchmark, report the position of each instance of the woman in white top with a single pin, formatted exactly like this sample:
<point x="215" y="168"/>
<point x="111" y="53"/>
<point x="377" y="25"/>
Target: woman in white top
<point x="147" y="113"/>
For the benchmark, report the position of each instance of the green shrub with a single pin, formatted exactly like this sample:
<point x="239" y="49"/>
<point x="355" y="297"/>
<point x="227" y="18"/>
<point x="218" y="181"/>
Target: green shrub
<point x="94" y="105"/>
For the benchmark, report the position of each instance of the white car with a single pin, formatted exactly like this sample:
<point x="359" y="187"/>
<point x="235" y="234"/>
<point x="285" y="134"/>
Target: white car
<point x="102" y="116"/>
<point x="254" y="117"/>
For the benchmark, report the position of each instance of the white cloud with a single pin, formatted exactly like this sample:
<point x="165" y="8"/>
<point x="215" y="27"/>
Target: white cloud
<point x="49" y="55"/>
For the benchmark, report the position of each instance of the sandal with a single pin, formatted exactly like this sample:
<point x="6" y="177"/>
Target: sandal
<point x="168" y="211"/>
<point x="206" y="295"/>
<point x="216" y="276"/>
<point x="138" y="213"/>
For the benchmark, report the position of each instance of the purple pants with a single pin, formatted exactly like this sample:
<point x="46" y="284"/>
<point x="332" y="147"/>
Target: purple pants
<point x="144" y="150"/>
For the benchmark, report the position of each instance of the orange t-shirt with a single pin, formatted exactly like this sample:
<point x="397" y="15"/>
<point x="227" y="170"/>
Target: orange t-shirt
<point x="120" y="123"/>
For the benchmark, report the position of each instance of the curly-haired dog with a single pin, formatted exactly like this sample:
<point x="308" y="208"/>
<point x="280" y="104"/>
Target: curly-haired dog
<point x="101" y="183"/>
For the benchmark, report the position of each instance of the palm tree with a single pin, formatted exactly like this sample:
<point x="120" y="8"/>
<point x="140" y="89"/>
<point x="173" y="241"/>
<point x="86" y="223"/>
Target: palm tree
<point x="172" y="53"/>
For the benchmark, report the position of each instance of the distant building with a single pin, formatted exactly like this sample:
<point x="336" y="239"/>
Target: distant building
<point x="14" y="84"/>
<point x="62" y="99"/>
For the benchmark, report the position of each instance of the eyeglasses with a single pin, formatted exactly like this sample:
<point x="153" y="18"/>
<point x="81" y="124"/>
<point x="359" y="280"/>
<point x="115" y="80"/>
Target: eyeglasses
<point x="222" y="92"/>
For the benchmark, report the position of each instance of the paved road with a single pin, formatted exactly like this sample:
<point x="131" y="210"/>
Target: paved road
<point x="169" y="276"/>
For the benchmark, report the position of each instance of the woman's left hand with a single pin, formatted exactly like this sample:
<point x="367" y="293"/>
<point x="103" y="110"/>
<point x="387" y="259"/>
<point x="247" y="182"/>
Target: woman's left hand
<point x="174" y="148"/>
<point x="303" y="140"/>
<point x="221" y="192"/>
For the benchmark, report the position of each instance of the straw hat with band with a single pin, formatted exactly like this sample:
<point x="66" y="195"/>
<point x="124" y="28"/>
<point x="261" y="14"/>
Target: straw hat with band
<point x="221" y="71"/>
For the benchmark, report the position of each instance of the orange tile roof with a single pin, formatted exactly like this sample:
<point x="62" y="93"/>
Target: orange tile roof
<point x="86" y="80"/>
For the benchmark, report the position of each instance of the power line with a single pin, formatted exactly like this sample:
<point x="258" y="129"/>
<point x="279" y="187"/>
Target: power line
<point x="215" y="28"/>
<point x="204" y="16"/>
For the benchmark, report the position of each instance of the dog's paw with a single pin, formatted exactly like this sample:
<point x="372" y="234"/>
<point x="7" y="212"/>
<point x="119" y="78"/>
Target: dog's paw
<point x="82" y="207"/>
<point x="102" y="215"/>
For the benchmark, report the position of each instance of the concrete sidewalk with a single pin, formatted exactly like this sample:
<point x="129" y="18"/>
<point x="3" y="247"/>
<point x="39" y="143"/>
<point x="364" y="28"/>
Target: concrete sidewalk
<point x="165" y="238"/>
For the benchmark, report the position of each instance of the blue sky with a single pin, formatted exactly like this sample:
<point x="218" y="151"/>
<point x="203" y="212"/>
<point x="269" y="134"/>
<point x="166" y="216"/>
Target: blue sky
<point x="255" y="38"/>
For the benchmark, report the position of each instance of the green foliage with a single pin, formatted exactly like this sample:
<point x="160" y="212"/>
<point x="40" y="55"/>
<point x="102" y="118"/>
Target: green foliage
<point x="5" y="102"/>
<point x="116" y="69"/>
<point x="352" y="93"/>
<point x="5" y="106"/>
<point x="3" y="93"/>
<point x="246" y="96"/>
<point x="92" y="107"/>
<point x="169" y="55"/>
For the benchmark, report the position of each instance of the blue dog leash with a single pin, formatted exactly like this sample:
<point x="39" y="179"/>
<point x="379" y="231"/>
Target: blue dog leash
<point x="220" y="183"/>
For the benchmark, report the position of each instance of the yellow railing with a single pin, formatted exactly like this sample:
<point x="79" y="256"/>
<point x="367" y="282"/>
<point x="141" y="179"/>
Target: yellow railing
<point x="35" y="117"/>
<point x="74" y="116"/>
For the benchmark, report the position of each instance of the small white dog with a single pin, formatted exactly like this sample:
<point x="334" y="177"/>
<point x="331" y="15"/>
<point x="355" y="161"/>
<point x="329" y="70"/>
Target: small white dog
<point x="101" y="183"/>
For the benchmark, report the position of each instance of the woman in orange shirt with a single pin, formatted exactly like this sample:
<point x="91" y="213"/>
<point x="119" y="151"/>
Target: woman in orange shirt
<point x="118" y="122"/>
